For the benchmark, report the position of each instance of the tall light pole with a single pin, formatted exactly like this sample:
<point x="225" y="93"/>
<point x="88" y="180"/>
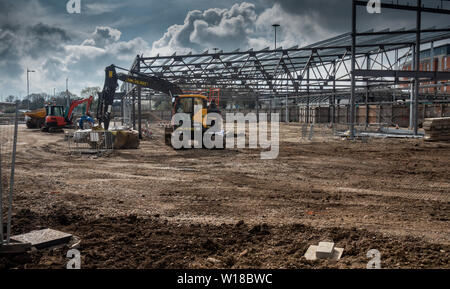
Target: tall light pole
<point x="275" y="26"/>
<point x="67" y="91"/>
<point x="28" y="86"/>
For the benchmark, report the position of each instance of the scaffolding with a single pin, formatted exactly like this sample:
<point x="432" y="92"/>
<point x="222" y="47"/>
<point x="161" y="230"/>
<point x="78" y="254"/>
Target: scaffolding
<point x="348" y="68"/>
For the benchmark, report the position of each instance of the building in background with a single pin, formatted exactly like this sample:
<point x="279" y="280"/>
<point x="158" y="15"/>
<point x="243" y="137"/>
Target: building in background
<point x="440" y="62"/>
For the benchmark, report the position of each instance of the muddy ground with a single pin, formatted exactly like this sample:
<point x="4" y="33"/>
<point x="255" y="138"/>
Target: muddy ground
<point x="159" y="208"/>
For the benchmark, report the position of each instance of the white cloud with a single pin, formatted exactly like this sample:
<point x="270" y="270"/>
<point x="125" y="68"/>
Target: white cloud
<point x="238" y="27"/>
<point x="102" y="8"/>
<point x="293" y="30"/>
<point x="223" y="28"/>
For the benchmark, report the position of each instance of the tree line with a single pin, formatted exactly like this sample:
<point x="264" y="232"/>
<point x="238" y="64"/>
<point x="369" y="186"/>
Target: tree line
<point x="39" y="100"/>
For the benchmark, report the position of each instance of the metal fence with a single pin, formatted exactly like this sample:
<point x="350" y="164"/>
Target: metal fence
<point x="90" y="142"/>
<point x="327" y="132"/>
<point x="127" y="117"/>
<point x="8" y="142"/>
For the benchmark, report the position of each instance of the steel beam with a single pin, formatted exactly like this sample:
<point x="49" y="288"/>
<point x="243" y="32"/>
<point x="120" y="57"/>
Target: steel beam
<point x="353" y="76"/>
<point x="417" y="68"/>
<point x="425" y="75"/>
<point x="417" y="8"/>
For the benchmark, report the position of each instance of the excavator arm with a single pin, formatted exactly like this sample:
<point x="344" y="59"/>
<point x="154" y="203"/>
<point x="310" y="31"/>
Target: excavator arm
<point x="76" y="103"/>
<point x="106" y="96"/>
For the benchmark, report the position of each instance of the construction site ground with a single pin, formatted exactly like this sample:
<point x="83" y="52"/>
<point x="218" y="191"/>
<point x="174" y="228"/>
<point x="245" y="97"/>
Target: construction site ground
<point x="156" y="207"/>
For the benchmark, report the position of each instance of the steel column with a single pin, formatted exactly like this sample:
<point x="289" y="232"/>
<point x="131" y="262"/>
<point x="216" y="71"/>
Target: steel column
<point x="367" y="93"/>
<point x="308" y="99"/>
<point x="417" y="68"/>
<point x="139" y="92"/>
<point x="133" y="108"/>
<point x="353" y="65"/>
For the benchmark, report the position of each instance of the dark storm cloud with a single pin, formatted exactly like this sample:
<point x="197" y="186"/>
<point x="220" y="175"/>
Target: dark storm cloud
<point x="335" y="15"/>
<point x="42" y="39"/>
<point x="9" y="55"/>
<point x="24" y="37"/>
<point x="103" y="36"/>
<point x="33" y="41"/>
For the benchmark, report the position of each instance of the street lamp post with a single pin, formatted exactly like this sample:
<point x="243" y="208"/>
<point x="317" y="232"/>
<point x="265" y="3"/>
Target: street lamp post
<point x="28" y="86"/>
<point x="275" y="26"/>
<point x="67" y="92"/>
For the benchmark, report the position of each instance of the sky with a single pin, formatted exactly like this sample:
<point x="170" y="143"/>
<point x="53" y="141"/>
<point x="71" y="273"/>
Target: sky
<point x="41" y="35"/>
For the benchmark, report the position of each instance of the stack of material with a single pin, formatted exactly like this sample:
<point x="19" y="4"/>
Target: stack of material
<point x="124" y="139"/>
<point x="437" y="129"/>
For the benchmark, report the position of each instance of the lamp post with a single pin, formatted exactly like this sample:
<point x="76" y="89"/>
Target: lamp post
<point x="28" y="86"/>
<point x="67" y="92"/>
<point x="275" y="26"/>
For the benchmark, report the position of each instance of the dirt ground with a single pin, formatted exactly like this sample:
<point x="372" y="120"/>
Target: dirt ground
<point x="159" y="208"/>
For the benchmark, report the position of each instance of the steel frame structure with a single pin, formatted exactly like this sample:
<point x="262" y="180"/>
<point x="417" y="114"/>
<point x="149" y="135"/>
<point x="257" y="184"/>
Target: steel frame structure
<point x="345" y="67"/>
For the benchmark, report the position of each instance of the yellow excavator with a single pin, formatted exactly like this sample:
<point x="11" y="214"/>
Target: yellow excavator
<point x="195" y="105"/>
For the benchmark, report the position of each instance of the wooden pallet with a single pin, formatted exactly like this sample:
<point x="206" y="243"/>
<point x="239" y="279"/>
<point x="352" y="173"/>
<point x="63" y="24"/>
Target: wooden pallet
<point x="437" y="129"/>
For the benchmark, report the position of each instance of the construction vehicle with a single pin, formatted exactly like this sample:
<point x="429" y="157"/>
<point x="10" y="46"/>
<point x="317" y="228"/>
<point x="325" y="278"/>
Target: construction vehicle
<point x="35" y="118"/>
<point x="196" y="105"/>
<point x="57" y="117"/>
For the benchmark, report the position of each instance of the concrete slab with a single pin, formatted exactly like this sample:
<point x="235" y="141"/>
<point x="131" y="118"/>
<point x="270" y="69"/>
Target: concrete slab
<point x="43" y="238"/>
<point x="311" y="253"/>
<point x="14" y="248"/>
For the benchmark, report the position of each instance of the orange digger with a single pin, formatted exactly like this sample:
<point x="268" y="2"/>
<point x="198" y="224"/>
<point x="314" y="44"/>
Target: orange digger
<point x="57" y="117"/>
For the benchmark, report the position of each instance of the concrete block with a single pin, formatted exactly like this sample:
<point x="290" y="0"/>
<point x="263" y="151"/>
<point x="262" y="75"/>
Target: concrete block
<point x="325" y="250"/>
<point x="311" y="253"/>
<point x="43" y="238"/>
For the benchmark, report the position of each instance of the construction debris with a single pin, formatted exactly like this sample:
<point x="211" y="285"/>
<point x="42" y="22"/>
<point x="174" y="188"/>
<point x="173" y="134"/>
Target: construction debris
<point x="437" y="129"/>
<point x="325" y="250"/>
<point x="126" y="139"/>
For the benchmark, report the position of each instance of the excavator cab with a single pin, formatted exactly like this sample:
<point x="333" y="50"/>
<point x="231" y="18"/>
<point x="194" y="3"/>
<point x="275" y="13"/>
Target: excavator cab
<point x="55" y="117"/>
<point x="196" y="106"/>
<point x="54" y="110"/>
